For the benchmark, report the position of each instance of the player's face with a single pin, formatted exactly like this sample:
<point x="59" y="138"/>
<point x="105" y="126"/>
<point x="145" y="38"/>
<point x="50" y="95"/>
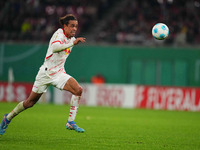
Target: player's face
<point x="71" y="28"/>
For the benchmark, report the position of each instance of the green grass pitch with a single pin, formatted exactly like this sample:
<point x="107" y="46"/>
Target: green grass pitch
<point x="43" y="128"/>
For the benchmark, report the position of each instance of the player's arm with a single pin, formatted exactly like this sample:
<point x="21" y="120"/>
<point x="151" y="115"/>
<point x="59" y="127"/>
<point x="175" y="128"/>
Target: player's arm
<point x="58" y="46"/>
<point x="78" y="40"/>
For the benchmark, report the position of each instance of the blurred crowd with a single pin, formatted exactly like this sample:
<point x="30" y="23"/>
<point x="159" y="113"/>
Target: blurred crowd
<point x="130" y="23"/>
<point x="36" y="20"/>
<point x="133" y="22"/>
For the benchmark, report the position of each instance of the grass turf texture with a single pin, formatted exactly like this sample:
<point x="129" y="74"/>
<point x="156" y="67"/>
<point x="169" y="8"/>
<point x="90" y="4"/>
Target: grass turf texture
<point x="43" y="127"/>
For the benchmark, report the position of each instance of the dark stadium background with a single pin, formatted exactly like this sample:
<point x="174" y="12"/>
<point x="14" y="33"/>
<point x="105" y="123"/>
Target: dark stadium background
<point x="112" y="28"/>
<point x="151" y="95"/>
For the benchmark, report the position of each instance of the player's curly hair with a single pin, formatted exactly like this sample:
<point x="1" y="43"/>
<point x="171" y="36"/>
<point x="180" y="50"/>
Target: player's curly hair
<point x="65" y="20"/>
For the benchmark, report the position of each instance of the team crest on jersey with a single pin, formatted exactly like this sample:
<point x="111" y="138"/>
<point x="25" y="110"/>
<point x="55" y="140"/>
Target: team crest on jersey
<point x="67" y="51"/>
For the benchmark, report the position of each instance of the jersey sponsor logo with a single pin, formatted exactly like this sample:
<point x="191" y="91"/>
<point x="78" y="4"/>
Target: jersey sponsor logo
<point x="67" y="51"/>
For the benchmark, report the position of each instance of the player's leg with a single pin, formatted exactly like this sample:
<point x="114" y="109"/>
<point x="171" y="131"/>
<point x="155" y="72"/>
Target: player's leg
<point x="73" y="87"/>
<point x="40" y="86"/>
<point x="29" y="102"/>
<point x="32" y="99"/>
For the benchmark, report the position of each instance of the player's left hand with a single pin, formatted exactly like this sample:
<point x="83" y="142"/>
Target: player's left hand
<point x="78" y="40"/>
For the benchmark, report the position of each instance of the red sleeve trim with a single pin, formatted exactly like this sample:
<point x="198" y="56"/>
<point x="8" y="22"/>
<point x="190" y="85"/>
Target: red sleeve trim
<point x="49" y="56"/>
<point x="55" y="42"/>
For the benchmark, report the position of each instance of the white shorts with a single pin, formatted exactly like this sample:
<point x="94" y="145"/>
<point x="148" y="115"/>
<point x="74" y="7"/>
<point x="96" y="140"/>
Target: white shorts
<point x="43" y="80"/>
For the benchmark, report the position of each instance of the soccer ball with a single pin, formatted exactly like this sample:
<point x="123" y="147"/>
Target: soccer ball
<point x="160" y="31"/>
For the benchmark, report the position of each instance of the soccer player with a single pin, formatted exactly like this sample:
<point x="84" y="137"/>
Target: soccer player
<point x="52" y="72"/>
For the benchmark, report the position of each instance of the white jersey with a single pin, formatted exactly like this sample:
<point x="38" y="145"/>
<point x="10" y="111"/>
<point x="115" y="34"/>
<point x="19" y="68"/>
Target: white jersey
<point x="52" y="72"/>
<point x="59" y="49"/>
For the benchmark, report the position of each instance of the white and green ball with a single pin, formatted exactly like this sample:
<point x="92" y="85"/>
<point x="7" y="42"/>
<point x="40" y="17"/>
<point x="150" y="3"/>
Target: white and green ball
<point x="160" y="31"/>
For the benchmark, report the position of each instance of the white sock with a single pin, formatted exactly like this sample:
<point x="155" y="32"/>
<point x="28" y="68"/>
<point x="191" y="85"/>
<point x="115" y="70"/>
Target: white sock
<point x="74" y="107"/>
<point x="19" y="108"/>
